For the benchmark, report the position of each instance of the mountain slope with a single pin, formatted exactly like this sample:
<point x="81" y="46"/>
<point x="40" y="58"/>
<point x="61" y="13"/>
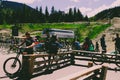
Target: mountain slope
<point x="108" y="13"/>
<point x="13" y="5"/>
<point x="12" y="12"/>
<point x="110" y="34"/>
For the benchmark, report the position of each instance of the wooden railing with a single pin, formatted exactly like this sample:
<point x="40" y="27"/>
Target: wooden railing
<point x="39" y="63"/>
<point x="88" y="55"/>
<point x="94" y="73"/>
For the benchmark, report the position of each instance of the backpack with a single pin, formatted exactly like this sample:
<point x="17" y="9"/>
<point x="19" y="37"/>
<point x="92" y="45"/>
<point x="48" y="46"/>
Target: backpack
<point x="91" y="47"/>
<point x="85" y="46"/>
<point x="76" y="45"/>
<point x="53" y="47"/>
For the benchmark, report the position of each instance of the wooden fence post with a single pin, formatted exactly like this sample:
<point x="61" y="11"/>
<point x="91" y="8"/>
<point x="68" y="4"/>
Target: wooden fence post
<point x="27" y="66"/>
<point x="90" y="64"/>
<point x="72" y="59"/>
<point x="103" y="73"/>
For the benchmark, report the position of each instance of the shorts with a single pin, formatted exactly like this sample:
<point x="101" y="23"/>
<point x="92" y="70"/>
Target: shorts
<point x="29" y="50"/>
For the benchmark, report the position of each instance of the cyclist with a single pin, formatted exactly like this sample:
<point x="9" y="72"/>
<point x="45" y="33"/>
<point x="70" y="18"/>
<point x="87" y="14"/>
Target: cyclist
<point x="52" y="46"/>
<point x="29" y="42"/>
<point x="117" y="42"/>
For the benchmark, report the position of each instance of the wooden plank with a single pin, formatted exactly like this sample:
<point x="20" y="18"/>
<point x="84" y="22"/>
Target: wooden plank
<point x="81" y="73"/>
<point x="46" y="55"/>
<point x="39" y="69"/>
<point x="83" y="51"/>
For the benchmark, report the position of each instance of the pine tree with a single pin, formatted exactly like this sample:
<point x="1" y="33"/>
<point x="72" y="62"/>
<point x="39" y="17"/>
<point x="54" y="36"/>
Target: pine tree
<point x="41" y="16"/>
<point x="86" y="18"/>
<point x="46" y="14"/>
<point x="75" y="14"/>
<point x="70" y="15"/>
<point x="80" y="16"/>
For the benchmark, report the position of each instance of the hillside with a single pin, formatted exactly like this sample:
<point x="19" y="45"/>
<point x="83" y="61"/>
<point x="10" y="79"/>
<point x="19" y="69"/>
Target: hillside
<point x="13" y="5"/>
<point x="12" y="12"/>
<point x="108" y="13"/>
<point x="110" y="33"/>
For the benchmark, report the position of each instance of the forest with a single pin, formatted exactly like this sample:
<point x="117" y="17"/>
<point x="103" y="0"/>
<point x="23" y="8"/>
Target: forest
<point x="12" y="12"/>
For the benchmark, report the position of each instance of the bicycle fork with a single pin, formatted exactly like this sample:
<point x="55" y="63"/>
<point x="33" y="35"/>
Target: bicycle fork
<point x="15" y="61"/>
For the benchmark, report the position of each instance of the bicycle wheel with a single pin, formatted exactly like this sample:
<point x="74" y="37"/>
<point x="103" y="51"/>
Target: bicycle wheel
<point x="97" y="59"/>
<point x="12" y="66"/>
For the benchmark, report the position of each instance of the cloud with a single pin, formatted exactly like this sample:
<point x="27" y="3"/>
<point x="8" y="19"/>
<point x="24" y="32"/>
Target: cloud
<point x="67" y="8"/>
<point x="75" y="0"/>
<point x="97" y="10"/>
<point x="96" y="0"/>
<point x="24" y="1"/>
<point x="70" y="7"/>
<point x="85" y="10"/>
<point x="116" y="3"/>
<point x="101" y="8"/>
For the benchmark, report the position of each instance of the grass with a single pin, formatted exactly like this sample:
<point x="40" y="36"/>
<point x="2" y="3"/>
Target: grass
<point x="81" y="29"/>
<point x="97" y="29"/>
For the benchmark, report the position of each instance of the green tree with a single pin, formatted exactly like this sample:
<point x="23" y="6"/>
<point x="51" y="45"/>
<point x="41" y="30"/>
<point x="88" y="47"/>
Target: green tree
<point x="41" y="16"/>
<point x="70" y="15"/>
<point x="46" y="14"/>
<point x="86" y="18"/>
<point x="75" y="14"/>
<point x="80" y="16"/>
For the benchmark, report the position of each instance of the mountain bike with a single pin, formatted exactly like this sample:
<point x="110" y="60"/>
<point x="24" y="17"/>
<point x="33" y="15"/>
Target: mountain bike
<point x="13" y="65"/>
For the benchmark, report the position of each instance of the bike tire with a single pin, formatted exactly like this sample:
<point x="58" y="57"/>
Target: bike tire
<point x="6" y="65"/>
<point x="97" y="59"/>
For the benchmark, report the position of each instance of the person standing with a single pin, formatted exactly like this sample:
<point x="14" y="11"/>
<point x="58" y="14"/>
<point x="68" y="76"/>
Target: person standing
<point x="76" y="44"/>
<point x="52" y="49"/>
<point x="91" y="46"/>
<point x="117" y="42"/>
<point x="97" y="47"/>
<point x="103" y="43"/>
<point x="29" y="43"/>
<point x="86" y="44"/>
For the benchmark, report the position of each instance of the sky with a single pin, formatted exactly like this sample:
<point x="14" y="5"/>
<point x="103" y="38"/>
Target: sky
<point x="87" y="7"/>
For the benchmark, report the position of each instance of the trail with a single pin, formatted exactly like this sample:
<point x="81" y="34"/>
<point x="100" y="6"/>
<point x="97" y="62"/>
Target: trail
<point x="110" y="33"/>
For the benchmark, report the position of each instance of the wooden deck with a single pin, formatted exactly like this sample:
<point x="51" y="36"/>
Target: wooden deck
<point x="112" y="74"/>
<point x="61" y="73"/>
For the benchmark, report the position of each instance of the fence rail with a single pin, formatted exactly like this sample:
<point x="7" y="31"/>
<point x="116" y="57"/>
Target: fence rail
<point x="91" y="73"/>
<point x="40" y="63"/>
